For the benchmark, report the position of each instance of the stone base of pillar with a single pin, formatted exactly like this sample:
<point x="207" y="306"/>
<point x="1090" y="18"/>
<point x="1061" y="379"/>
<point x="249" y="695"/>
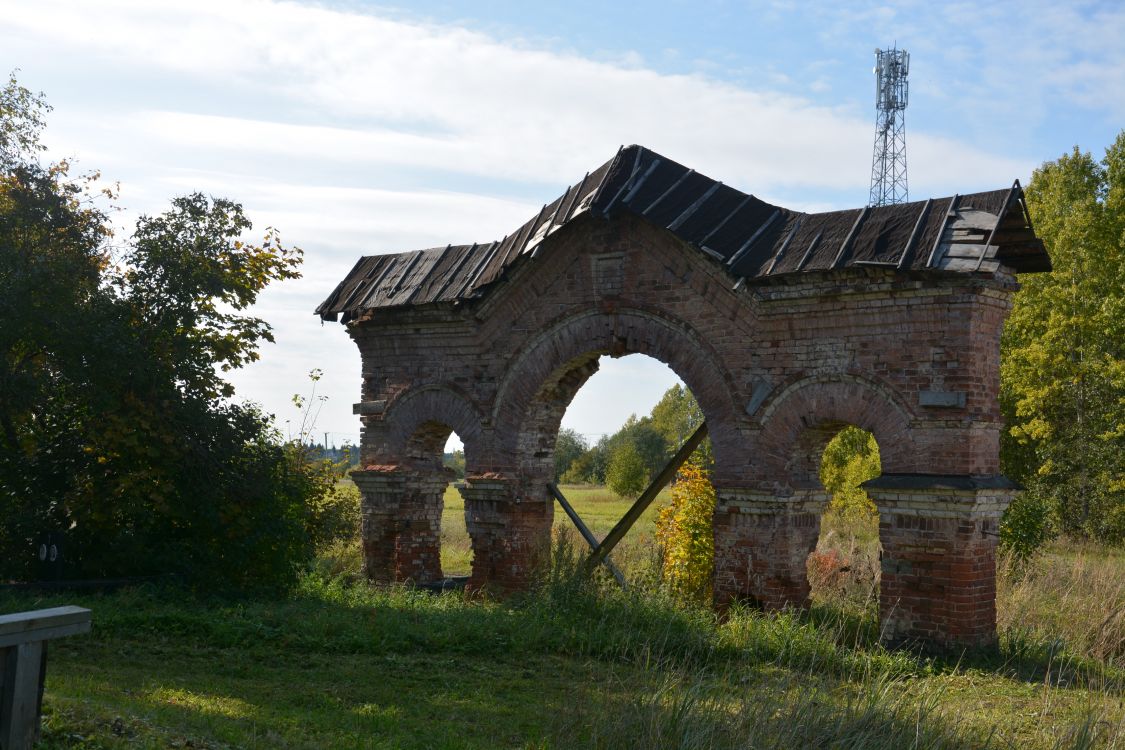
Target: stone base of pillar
<point x="511" y="536"/>
<point x="400" y="524"/>
<point x="762" y="545"/>
<point x="939" y="537"/>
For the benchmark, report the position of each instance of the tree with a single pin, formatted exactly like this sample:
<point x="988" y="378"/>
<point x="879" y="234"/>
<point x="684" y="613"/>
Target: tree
<point x="626" y="474"/>
<point x="569" y="446"/>
<point x="1063" y="363"/>
<point x="850" y="459"/>
<point x="676" y="416"/>
<point x="114" y="417"/>
<point x="684" y="530"/>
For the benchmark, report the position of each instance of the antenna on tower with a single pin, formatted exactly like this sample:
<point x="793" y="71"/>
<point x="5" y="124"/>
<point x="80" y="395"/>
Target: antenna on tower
<point x="888" y="165"/>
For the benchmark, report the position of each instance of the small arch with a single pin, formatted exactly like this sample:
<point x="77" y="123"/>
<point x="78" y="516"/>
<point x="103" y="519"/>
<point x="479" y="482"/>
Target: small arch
<point x="798" y="423"/>
<point x="843" y="568"/>
<point x="418" y="423"/>
<point x="408" y="533"/>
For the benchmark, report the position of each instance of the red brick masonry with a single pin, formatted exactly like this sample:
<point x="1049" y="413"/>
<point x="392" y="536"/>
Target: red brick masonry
<point x="778" y="365"/>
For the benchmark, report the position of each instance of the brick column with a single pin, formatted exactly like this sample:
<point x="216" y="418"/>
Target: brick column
<point x="401" y="523"/>
<point x="509" y="533"/>
<point x="762" y="544"/>
<point x="939" y="536"/>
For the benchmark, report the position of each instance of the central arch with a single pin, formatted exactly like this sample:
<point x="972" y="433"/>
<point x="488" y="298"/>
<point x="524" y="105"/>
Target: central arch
<point x="543" y="380"/>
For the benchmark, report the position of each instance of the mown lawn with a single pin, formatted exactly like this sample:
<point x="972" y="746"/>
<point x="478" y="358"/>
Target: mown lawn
<point x="337" y="663"/>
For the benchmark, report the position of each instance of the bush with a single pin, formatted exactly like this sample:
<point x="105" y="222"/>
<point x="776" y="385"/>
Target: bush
<point x="1028" y="523"/>
<point x="684" y="531"/>
<point x="626" y="474"/>
<point x="333" y="515"/>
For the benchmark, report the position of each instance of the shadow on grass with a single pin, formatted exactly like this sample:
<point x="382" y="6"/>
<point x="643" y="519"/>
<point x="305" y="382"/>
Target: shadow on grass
<point x="345" y="664"/>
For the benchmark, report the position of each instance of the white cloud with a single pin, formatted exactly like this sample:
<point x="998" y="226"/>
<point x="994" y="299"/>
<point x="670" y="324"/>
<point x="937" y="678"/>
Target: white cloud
<point x="279" y="100"/>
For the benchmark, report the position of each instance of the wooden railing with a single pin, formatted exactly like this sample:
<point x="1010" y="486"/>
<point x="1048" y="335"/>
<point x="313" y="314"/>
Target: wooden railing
<point x="23" y="667"/>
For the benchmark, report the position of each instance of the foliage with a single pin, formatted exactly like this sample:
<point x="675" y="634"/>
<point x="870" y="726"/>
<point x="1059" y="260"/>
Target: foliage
<point x="626" y="474"/>
<point x="1028" y="524"/>
<point x="569" y="446"/>
<point x="333" y="516"/>
<point x="113" y="418"/>
<point x="22" y="118"/>
<point x="684" y="532"/>
<point x="1063" y="364"/>
<point x="455" y="462"/>
<point x="572" y="666"/>
<point x="850" y="459"/>
<point x="676" y="416"/>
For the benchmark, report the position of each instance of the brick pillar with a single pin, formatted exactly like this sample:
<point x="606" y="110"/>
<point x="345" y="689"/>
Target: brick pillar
<point x="510" y="534"/>
<point x="401" y="523"/>
<point x="939" y="536"/>
<point x="762" y="544"/>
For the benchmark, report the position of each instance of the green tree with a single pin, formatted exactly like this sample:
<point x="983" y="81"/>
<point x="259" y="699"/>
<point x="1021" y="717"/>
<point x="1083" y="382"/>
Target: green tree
<point x="114" y="419"/>
<point x="676" y="416"/>
<point x="569" y="446"/>
<point x="626" y="474"/>
<point x="1063" y="363"/>
<point x="850" y="459"/>
<point x="684" y="530"/>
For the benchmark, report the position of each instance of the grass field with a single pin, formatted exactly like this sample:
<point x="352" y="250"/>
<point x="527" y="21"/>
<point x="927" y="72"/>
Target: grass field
<point x="340" y="664"/>
<point x="599" y="509"/>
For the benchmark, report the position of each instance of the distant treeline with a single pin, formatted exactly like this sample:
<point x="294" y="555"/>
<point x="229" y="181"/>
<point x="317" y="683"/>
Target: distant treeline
<point x="628" y="459"/>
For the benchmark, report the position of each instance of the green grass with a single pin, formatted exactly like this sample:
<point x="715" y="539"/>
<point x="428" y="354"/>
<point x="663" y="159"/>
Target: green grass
<point x="338" y="663"/>
<point x="599" y="509"/>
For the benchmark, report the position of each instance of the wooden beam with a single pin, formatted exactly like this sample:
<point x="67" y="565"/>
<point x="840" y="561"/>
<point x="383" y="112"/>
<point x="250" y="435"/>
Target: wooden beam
<point x="584" y="531"/>
<point x="617" y="533"/>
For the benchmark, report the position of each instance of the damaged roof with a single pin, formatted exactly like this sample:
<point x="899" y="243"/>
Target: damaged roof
<point x="751" y="238"/>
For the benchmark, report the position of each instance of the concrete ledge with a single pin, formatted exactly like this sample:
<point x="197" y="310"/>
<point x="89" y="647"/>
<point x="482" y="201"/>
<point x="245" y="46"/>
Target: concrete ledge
<point x="940" y="482"/>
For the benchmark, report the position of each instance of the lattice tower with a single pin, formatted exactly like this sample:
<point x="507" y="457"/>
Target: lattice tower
<point x="888" y="165"/>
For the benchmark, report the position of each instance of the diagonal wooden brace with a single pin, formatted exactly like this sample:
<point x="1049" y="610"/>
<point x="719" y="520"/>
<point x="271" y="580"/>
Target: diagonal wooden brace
<point x="585" y="531"/>
<point x="617" y="533"/>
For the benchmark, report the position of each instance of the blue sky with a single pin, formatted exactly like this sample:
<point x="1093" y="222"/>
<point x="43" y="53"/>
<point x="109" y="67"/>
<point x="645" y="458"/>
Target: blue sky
<point x="359" y="128"/>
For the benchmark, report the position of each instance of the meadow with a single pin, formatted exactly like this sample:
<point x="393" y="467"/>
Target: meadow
<point x="338" y="663"/>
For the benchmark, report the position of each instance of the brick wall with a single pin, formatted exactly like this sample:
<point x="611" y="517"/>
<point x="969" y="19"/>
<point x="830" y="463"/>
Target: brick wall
<point x="777" y="366"/>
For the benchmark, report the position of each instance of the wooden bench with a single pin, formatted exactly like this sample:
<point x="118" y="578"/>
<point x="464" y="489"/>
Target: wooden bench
<point x="23" y="667"/>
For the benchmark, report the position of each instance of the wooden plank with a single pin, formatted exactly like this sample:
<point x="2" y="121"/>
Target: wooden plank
<point x="40" y="619"/>
<point x="981" y="221"/>
<point x="950" y="213"/>
<point x="846" y="244"/>
<point x="907" y="256"/>
<point x="19" y="696"/>
<point x="617" y="533"/>
<point x="44" y="634"/>
<point x="584" y="530"/>
<point x="966" y="250"/>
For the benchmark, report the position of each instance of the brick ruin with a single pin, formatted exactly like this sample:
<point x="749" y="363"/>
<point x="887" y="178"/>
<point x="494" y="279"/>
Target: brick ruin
<point x="786" y="327"/>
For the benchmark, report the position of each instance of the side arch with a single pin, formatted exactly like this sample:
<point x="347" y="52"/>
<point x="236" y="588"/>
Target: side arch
<point x="418" y="422"/>
<point x="797" y="424"/>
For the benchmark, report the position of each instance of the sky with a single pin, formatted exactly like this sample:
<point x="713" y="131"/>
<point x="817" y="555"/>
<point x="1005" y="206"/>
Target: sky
<point x="359" y="128"/>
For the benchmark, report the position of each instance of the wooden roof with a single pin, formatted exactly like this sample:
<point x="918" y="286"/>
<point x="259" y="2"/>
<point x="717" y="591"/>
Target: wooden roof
<point x="972" y="233"/>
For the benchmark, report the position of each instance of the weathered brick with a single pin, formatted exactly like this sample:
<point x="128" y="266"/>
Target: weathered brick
<point x="778" y="366"/>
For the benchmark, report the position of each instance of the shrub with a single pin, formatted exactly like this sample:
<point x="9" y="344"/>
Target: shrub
<point x="684" y="531"/>
<point x="626" y="474"/>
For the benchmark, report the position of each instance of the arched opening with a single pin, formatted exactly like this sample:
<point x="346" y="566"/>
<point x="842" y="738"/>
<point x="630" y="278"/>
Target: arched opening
<point x="433" y="547"/>
<point x="534" y="393"/>
<point x="456" y="545"/>
<point x="843" y="569"/>
<point x="622" y="423"/>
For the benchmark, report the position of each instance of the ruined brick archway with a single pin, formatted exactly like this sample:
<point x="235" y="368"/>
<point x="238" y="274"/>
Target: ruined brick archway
<point x="784" y="325"/>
